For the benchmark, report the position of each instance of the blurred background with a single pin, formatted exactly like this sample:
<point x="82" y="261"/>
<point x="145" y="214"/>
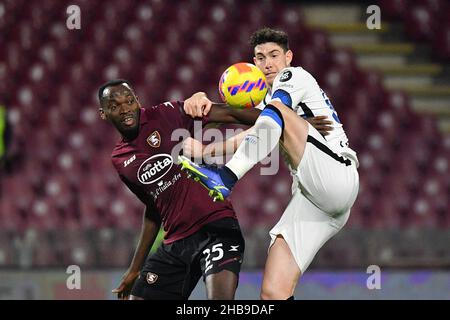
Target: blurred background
<point x="62" y="203"/>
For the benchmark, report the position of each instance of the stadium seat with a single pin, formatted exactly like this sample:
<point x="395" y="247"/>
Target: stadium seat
<point x="393" y="8"/>
<point x="419" y="23"/>
<point x="424" y="21"/>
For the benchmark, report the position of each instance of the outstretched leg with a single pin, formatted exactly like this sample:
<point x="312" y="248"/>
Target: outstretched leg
<point x="261" y="140"/>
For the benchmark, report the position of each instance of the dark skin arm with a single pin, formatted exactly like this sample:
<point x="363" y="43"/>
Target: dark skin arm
<point x="199" y="105"/>
<point x="149" y="231"/>
<point x="222" y="113"/>
<point x="321" y="124"/>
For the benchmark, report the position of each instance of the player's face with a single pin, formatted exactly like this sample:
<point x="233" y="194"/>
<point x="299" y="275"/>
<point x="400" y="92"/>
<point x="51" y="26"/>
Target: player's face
<point x="270" y="58"/>
<point x="121" y="108"/>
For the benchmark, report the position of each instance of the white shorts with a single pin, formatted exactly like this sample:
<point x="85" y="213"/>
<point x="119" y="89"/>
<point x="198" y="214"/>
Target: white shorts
<point x="326" y="186"/>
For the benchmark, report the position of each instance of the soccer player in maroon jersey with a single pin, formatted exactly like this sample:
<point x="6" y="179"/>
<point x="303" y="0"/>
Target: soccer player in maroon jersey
<point x="202" y="238"/>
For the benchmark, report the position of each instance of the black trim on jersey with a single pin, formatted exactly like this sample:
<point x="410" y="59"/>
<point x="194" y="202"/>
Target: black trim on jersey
<point x="327" y="150"/>
<point x="308" y="112"/>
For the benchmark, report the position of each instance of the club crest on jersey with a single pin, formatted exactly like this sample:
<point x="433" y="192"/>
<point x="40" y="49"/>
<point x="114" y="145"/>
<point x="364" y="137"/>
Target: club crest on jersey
<point x="286" y="76"/>
<point x="154" y="140"/>
<point x="151" y="277"/>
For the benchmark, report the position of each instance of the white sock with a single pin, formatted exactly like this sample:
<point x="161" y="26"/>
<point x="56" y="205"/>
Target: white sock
<point x="261" y="140"/>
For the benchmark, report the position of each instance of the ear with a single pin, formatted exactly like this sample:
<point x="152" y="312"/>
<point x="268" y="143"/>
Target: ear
<point x="289" y="56"/>
<point x="102" y="114"/>
<point x="254" y="61"/>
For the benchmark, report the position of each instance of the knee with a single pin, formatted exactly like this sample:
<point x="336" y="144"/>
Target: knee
<point x="266" y="295"/>
<point x="274" y="293"/>
<point x="221" y="286"/>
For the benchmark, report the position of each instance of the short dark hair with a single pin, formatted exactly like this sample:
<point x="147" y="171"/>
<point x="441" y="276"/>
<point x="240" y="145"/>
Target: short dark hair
<point x="265" y="35"/>
<point x="111" y="83"/>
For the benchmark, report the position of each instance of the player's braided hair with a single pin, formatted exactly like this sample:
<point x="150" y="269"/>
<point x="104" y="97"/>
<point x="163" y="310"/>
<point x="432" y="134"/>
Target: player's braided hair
<point x="111" y="83"/>
<point x="270" y="35"/>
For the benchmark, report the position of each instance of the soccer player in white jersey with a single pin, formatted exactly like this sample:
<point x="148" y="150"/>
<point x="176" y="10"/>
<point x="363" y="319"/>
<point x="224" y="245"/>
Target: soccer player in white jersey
<point x="324" y="169"/>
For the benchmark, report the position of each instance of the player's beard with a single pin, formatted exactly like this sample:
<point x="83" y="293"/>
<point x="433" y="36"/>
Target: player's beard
<point x="129" y="132"/>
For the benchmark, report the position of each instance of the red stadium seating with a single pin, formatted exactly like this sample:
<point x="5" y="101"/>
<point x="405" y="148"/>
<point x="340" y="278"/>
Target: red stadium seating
<point x="49" y="77"/>
<point x="424" y="21"/>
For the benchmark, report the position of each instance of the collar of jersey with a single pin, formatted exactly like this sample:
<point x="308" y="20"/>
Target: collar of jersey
<point x="143" y="117"/>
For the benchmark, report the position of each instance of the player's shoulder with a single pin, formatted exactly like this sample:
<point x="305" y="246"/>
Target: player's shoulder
<point x="167" y="111"/>
<point x="166" y="106"/>
<point x="117" y="155"/>
<point x="291" y="74"/>
<point x="120" y="149"/>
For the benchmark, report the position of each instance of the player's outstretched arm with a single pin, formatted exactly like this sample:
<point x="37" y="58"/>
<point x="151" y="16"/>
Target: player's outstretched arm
<point x="198" y="105"/>
<point x="149" y="231"/>
<point x="222" y="113"/>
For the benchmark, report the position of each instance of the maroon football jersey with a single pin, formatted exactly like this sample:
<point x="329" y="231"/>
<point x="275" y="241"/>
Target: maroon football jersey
<point x="146" y="165"/>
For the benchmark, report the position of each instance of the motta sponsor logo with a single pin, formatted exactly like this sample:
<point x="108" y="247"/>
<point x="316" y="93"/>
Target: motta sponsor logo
<point x="154" y="168"/>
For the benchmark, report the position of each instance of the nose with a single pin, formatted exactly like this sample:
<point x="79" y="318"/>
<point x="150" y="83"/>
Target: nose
<point x="124" y="108"/>
<point x="269" y="64"/>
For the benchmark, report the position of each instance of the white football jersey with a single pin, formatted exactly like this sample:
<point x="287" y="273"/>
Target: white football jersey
<point x="296" y="88"/>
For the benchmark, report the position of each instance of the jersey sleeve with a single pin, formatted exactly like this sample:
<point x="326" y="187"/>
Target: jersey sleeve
<point x="289" y="87"/>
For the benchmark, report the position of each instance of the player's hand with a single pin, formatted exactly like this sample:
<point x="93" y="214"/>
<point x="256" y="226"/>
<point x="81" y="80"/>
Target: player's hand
<point x="321" y="124"/>
<point x="198" y="105"/>
<point x="126" y="284"/>
<point x="193" y="148"/>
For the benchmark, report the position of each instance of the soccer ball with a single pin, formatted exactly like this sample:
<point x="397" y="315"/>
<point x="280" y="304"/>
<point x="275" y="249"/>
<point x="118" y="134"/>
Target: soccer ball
<point x="242" y="85"/>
